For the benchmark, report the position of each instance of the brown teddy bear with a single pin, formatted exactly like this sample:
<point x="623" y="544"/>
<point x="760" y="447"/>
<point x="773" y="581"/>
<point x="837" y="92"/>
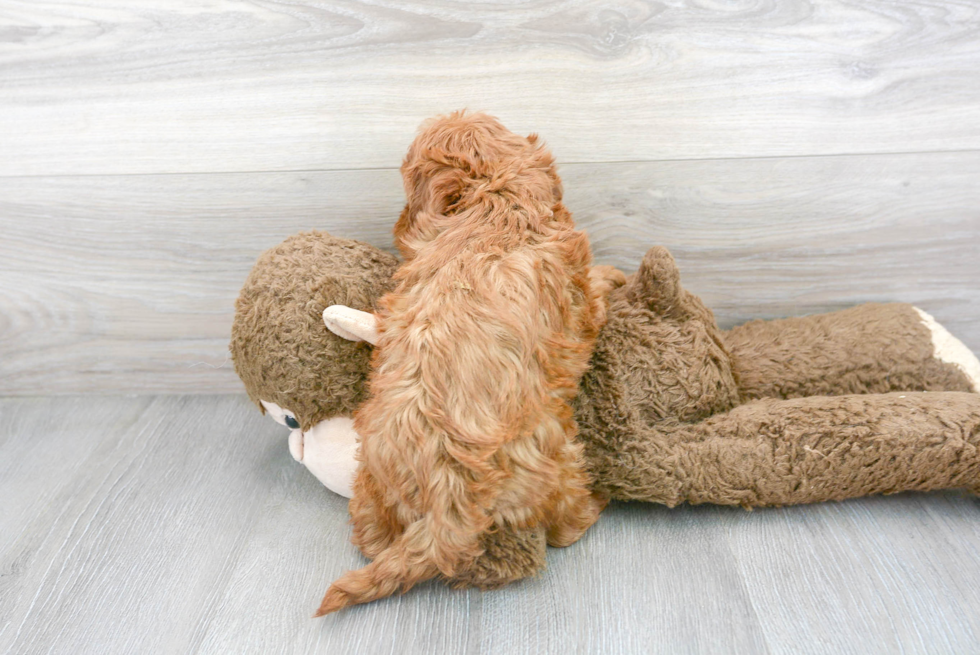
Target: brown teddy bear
<point x="672" y="408"/>
<point x="304" y="376"/>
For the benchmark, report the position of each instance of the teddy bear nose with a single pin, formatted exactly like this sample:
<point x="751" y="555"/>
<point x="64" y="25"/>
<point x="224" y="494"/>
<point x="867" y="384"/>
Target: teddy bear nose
<point x="292" y="422"/>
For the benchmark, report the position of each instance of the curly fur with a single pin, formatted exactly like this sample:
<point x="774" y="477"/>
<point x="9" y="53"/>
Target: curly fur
<point x="282" y="350"/>
<point x="469" y="428"/>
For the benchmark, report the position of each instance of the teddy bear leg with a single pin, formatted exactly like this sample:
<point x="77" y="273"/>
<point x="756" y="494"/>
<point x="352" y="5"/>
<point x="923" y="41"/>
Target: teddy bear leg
<point x="870" y="348"/>
<point x="951" y="350"/>
<point x="375" y="522"/>
<point x="509" y="554"/>
<point x="804" y="450"/>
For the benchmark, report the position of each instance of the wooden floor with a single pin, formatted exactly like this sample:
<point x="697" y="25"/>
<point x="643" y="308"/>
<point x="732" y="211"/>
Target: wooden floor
<point x="180" y="524"/>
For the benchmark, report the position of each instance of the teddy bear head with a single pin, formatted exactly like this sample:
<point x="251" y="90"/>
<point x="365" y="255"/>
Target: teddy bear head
<point x="293" y="367"/>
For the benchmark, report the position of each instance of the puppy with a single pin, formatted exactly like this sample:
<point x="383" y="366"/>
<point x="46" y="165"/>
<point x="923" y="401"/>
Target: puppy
<point x="468" y="429"/>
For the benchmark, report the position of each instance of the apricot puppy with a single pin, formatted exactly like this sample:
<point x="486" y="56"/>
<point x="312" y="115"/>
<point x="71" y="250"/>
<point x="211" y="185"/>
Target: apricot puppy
<point x="468" y="428"/>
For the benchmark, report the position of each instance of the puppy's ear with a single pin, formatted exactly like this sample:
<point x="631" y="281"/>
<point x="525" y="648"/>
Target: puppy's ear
<point x="447" y="178"/>
<point x="435" y="180"/>
<point x="543" y="159"/>
<point x="434" y="183"/>
<point x="403" y="232"/>
<point x="351" y="324"/>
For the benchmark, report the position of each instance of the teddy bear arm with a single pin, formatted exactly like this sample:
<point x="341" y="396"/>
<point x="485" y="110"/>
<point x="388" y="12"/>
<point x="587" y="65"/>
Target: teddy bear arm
<point x="781" y="452"/>
<point x="872" y="348"/>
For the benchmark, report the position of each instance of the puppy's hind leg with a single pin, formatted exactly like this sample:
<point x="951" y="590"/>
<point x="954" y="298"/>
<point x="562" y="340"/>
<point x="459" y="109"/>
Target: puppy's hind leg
<point x="375" y="521"/>
<point x="576" y="508"/>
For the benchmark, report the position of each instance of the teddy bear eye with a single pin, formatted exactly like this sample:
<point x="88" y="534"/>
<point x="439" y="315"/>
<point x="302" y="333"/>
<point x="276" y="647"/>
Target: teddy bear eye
<point x="292" y="422"/>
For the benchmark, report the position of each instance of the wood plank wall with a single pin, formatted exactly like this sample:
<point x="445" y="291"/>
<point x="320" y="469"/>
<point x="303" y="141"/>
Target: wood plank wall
<point x="795" y="156"/>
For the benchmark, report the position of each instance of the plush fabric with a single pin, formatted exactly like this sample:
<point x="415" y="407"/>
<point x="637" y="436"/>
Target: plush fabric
<point x="661" y="417"/>
<point x="871" y="348"/>
<point x="281" y="349"/>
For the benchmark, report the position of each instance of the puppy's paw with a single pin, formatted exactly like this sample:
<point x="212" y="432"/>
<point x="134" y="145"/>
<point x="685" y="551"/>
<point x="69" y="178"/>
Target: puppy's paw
<point x="606" y="278"/>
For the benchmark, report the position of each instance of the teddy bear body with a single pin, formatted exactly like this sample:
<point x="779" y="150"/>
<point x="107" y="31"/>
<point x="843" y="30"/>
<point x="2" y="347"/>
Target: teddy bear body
<point x="671" y="409"/>
<point x="664" y="417"/>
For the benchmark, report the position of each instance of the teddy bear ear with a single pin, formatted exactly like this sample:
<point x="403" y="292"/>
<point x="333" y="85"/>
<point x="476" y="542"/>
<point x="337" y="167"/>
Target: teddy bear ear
<point x="657" y="283"/>
<point x="351" y="324"/>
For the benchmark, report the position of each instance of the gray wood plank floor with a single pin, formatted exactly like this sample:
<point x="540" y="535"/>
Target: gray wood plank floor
<point x="179" y="524"/>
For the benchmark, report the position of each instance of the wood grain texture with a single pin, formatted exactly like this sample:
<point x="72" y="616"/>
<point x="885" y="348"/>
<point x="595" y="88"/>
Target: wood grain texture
<point x="181" y="525"/>
<point x="150" y="87"/>
<point x="126" y="283"/>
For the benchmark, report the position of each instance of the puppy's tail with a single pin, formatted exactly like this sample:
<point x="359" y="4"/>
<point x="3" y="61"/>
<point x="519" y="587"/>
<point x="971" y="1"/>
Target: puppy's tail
<point x="405" y="563"/>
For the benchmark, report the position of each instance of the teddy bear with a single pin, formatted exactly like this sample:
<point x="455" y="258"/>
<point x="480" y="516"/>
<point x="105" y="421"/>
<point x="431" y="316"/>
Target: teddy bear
<point x="878" y="398"/>
<point x="298" y="372"/>
<point x="782" y="412"/>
